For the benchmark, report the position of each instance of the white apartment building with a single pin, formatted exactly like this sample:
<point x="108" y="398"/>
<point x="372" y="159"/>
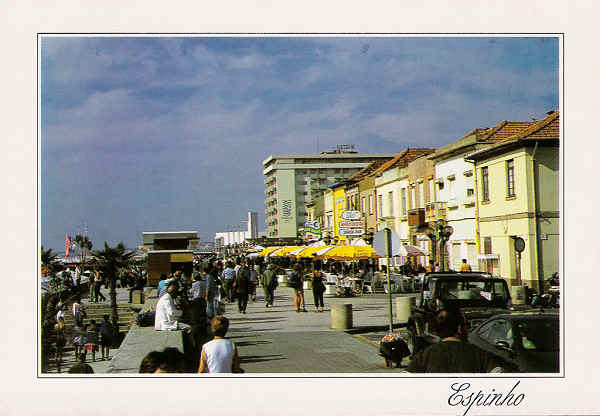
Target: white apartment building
<point x="455" y="188"/>
<point x="293" y="180"/>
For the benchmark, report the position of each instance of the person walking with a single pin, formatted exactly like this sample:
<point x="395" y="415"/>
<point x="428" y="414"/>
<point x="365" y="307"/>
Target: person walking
<point x="92" y="339"/>
<point x="78" y="312"/>
<point x="242" y="285"/>
<point x="60" y="340"/>
<point x="97" y="285"/>
<point x="269" y="283"/>
<point x="296" y="283"/>
<point x="252" y="283"/>
<point x="318" y="288"/>
<point x="211" y="291"/>
<point x="228" y="277"/>
<point x="219" y="355"/>
<point x="107" y="332"/>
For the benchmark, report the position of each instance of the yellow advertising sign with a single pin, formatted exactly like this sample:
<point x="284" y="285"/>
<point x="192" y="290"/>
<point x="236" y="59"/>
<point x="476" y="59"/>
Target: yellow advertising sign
<point x="182" y="257"/>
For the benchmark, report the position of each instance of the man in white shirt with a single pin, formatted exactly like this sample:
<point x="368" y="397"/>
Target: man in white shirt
<point x="167" y="314"/>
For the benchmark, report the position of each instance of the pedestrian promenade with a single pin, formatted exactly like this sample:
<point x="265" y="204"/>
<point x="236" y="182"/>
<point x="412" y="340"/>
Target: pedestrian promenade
<point x="279" y="340"/>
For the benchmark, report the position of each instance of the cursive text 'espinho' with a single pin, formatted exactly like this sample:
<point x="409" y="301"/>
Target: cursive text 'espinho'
<point x="463" y="396"/>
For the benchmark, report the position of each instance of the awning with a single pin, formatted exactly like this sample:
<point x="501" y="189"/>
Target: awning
<point x="488" y="257"/>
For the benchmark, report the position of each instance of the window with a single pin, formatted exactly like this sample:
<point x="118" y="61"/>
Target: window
<point x="403" y="199"/>
<point x="379" y="205"/>
<point x="348" y="203"/>
<point x="485" y="185"/>
<point x="487" y="245"/>
<point x="363" y="205"/>
<point x="370" y="204"/>
<point x="510" y="178"/>
<point x="470" y="191"/>
<point x="421" y="195"/>
<point x="391" y="203"/>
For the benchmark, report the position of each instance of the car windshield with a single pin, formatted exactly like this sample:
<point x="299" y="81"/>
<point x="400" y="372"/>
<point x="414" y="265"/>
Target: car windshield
<point x="539" y="334"/>
<point x="477" y="291"/>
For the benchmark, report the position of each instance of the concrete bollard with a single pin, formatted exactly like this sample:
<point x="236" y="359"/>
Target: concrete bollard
<point x="403" y="307"/>
<point x="518" y="295"/>
<point x="341" y="316"/>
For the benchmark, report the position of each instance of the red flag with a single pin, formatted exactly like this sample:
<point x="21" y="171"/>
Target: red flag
<point x="68" y="245"/>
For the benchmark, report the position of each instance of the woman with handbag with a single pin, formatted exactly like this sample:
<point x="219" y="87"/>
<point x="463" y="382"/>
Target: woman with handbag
<point x="318" y="288"/>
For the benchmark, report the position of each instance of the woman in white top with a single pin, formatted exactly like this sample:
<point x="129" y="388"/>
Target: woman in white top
<point x="219" y="355"/>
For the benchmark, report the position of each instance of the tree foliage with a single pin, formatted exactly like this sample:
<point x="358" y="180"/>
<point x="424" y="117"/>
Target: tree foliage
<point x="110" y="261"/>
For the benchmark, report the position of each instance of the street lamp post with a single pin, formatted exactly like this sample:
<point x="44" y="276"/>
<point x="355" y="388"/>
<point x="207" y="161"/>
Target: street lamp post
<point x="442" y="233"/>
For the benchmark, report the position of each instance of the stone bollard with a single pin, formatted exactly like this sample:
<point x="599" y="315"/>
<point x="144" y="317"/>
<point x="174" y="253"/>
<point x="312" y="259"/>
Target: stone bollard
<point x="403" y="307"/>
<point x="518" y="295"/>
<point x="341" y="316"/>
<point x="137" y="297"/>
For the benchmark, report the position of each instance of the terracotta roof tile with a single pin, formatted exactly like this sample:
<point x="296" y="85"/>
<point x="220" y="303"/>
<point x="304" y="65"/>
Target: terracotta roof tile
<point x="546" y="129"/>
<point x="403" y="158"/>
<point x="505" y="129"/>
<point x="367" y="170"/>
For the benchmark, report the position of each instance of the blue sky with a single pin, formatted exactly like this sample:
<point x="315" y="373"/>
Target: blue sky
<point x="148" y="134"/>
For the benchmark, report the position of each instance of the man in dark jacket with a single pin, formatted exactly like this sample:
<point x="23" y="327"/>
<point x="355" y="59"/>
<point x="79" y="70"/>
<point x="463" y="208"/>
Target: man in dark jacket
<point x="269" y="283"/>
<point x="242" y="280"/>
<point x="297" y="283"/>
<point x="452" y="354"/>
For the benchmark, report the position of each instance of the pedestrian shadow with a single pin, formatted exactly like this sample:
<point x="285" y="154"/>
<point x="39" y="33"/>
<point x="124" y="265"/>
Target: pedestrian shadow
<point x="260" y="358"/>
<point x="244" y="336"/>
<point x="249" y="329"/>
<point x="251" y="343"/>
<point x="263" y="319"/>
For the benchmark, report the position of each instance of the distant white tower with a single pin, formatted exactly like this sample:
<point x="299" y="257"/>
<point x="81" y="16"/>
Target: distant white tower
<point x="253" y="224"/>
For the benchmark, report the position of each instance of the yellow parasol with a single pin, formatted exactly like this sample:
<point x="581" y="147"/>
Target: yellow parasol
<point x="310" y="251"/>
<point x="349" y="253"/>
<point x="285" y="251"/>
<point x="267" y="250"/>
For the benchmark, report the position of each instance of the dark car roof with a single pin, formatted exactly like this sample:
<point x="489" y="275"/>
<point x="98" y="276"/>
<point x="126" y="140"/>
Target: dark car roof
<point x="459" y="275"/>
<point x="527" y="315"/>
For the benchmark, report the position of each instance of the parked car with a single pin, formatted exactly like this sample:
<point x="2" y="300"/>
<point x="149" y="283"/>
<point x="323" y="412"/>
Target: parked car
<point x="527" y="342"/>
<point x="477" y="295"/>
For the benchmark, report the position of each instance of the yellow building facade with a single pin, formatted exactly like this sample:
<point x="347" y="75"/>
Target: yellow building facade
<point x="517" y="187"/>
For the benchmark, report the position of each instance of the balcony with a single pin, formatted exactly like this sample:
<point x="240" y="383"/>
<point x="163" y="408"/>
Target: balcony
<point x="435" y="211"/>
<point x="416" y="217"/>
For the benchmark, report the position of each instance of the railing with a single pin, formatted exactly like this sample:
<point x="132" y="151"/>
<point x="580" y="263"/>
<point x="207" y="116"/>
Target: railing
<point x="435" y="211"/>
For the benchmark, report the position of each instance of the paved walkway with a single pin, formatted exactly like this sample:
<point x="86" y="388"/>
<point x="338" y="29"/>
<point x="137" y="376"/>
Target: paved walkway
<point x="280" y="340"/>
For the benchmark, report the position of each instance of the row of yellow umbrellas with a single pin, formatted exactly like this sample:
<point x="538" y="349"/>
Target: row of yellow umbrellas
<point x="347" y="253"/>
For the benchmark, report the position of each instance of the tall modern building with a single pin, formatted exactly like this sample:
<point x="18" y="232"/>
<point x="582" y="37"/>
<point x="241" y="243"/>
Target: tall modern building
<point x="293" y="180"/>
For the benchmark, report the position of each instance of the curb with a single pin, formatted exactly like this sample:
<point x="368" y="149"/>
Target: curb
<point x="373" y="328"/>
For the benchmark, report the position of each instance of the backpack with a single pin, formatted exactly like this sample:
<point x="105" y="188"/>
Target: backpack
<point x="294" y="280"/>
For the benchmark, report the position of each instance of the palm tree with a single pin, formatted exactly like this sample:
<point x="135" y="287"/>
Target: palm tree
<point x="49" y="260"/>
<point x="110" y="261"/>
<point x="50" y="263"/>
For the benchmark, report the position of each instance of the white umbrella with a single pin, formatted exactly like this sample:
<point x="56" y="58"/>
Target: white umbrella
<point x="407" y="250"/>
<point x="359" y="242"/>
